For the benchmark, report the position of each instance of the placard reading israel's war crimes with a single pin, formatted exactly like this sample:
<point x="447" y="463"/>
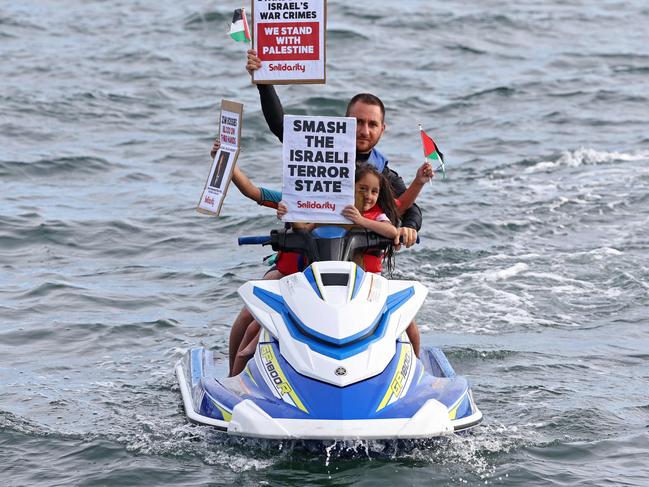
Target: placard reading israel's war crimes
<point x="319" y="165"/>
<point x="290" y="40"/>
<point x="220" y="173"/>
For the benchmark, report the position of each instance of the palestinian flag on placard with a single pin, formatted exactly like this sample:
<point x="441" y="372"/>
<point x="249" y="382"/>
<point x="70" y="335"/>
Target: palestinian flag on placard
<point x="431" y="151"/>
<point x="239" y="30"/>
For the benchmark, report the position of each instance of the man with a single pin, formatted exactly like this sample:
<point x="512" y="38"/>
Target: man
<point x="369" y="112"/>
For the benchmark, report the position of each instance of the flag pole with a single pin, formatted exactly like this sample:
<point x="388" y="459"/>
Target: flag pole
<point x="443" y="167"/>
<point x="424" y="149"/>
<point x="245" y="18"/>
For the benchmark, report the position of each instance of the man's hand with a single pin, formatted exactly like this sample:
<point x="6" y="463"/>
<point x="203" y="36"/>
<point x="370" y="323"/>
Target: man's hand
<point x="254" y="63"/>
<point x="215" y="148"/>
<point x="409" y="237"/>
<point x="425" y="173"/>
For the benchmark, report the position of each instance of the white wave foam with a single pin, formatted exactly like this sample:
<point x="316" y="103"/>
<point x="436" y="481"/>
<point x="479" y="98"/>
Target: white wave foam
<point x="558" y="280"/>
<point x="603" y="252"/>
<point x="505" y="273"/>
<point x="584" y="156"/>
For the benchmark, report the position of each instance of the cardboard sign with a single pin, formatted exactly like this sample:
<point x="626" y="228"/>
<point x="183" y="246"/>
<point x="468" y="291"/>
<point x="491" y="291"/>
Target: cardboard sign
<point x="220" y="173"/>
<point x="319" y="166"/>
<point x="290" y="40"/>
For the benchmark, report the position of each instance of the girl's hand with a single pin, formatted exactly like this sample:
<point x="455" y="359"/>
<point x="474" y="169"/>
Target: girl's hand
<point x="351" y="213"/>
<point x="425" y="173"/>
<point x="282" y="210"/>
<point x="215" y="148"/>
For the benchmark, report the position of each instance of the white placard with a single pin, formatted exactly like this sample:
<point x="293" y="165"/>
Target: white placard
<point x="319" y="166"/>
<point x="290" y="40"/>
<point x="220" y="173"/>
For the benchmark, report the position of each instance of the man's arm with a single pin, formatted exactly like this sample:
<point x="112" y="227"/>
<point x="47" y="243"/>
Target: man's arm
<point x="246" y="186"/>
<point x="408" y="197"/>
<point x="272" y="109"/>
<point x="270" y="104"/>
<point x="412" y="218"/>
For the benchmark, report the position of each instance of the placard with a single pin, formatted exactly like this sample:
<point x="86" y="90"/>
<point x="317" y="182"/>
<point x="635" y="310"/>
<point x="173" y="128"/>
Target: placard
<point x="221" y="169"/>
<point x="290" y="40"/>
<point x="319" y="162"/>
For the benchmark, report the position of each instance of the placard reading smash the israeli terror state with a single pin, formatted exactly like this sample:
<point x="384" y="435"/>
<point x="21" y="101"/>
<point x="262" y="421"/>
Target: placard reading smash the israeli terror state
<point x="290" y="40"/>
<point x="220" y="173"/>
<point x="319" y="165"/>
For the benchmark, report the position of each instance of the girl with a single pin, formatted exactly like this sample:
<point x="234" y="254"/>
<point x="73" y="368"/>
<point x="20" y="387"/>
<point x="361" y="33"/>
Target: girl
<point x="376" y="209"/>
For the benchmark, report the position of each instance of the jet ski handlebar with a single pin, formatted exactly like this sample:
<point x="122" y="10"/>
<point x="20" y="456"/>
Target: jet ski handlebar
<point x="323" y="243"/>
<point x="261" y="240"/>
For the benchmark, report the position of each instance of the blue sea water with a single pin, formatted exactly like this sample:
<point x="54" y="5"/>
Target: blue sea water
<point x="534" y="250"/>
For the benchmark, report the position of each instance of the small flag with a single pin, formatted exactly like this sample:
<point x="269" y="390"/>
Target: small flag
<point x="239" y="30"/>
<point x="431" y="151"/>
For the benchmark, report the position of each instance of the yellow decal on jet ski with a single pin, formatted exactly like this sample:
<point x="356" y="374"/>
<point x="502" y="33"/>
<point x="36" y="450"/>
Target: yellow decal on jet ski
<point x="400" y="376"/>
<point x="452" y="412"/>
<point x="227" y="415"/>
<point x="250" y="375"/>
<point x="277" y="377"/>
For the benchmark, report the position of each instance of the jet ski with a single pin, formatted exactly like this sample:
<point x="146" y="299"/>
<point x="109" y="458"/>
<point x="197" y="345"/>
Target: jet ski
<point x="333" y="359"/>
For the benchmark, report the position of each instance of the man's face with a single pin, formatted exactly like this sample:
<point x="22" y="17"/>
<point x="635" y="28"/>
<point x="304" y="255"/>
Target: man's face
<point x="369" y="125"/>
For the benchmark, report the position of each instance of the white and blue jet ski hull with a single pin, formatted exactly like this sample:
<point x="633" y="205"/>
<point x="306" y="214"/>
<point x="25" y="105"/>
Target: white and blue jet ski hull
<point x="437" y="402"/>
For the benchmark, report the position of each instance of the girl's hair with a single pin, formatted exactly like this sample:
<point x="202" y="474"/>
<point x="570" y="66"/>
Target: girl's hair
<point x="386" y="202"/>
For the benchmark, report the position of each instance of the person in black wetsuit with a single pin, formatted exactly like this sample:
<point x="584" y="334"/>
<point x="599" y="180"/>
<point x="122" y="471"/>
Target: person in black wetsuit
<point x="370" y="125"/>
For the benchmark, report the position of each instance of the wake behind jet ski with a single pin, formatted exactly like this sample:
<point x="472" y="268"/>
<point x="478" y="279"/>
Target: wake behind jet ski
<point x="333" y="360"/>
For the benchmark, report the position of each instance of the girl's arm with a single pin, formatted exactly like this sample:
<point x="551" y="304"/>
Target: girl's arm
<point x="271" y="106"/>
<point x="408" y="197"/>
<point x="385" y="229"/>
<point x="244" y="185"/>
<point x="239" y="179"/>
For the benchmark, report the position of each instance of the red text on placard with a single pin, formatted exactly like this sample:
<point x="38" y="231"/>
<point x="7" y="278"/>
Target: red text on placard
<point x="288" y="41"/>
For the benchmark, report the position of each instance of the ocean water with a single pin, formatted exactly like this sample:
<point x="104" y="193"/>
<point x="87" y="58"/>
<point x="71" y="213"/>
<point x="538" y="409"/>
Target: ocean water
<point x="535" y="249"/>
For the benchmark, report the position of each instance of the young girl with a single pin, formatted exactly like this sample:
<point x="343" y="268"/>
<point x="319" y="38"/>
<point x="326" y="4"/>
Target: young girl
<point x="376" y="209"/>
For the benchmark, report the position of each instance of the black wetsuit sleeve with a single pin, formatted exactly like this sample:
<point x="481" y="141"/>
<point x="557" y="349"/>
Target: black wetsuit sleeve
<point x="412" y="217"/>
<point x="272" y="109"/>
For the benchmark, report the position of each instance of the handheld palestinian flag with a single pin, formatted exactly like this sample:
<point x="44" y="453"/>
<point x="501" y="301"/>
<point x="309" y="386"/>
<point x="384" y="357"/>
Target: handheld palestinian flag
<point x="431" y="151"/>
<point x="239" y="30"/>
